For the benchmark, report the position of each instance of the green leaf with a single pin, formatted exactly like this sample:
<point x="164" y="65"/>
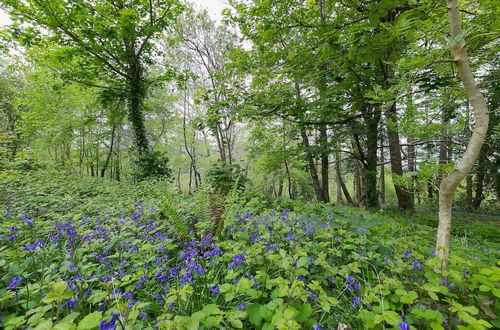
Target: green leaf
<point x="256" y="313"/>
<point x="90" y="321"/>
<point x="302" y="262"/>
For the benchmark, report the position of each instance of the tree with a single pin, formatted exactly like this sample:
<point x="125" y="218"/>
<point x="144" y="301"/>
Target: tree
<point x="450" y="182"/>
<point x="109" y="44"/>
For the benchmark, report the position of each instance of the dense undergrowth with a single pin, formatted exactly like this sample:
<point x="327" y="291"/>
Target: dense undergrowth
<point x="83" y="254"/>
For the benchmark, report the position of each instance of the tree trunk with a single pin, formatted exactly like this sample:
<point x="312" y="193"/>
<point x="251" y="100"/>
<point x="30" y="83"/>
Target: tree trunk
<point x="290" y="194"/>
<point x="337" y="178"/>
<point x="325" y="152"/>
<point x="412" y="168"/>
<point x="404" y="198"/>
<point x="309" y="156"/>
<point x="110" y="152"/>
<point x="382" y="174"/>
<point x="135" y="115"/>
<point x="370" y="168"/>
<point x="342" y="184"/>
<point x="450" y="182"/>
<point x="481" y="174"/>
<point x="312" y="166"/>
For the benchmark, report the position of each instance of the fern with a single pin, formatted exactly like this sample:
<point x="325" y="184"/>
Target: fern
<point x="169" y="210"/>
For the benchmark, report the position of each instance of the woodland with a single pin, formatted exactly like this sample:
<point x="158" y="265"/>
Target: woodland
<point x="292" y="164"/>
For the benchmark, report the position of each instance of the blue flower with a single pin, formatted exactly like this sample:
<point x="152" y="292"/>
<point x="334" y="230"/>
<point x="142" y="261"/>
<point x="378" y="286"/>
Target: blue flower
<point x="238" y="260"/>
<point x="356" y="301"/>
<point x="214" y="289"/>
<point x="241" y="307"/>
<point x="316" y="327"/>
<point x="407" y="254"/>
<point x="108" y="324"/>
<point x="127" y="295"/>
<point x="404" y="326"/>
<point x="15" y="282"/>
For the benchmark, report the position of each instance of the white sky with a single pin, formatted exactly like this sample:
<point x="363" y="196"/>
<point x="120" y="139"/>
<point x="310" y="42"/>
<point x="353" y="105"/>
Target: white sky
<point x="214" y="8"/>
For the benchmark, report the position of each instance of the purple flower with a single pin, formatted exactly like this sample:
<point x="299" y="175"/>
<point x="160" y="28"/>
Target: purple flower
<point x="272" y="247"/>
<point x="415" y="264"/>
<point x="404" y="326"/>
<point x="108" y="324"/>
<point x="238" y="260"/>
<point x="241" y="307"/>
<point x="290" y="237"/>
<point x="143" y="314"/>
<point x="15" y="282"/>
<point x="486" y="250"/>
<point x="214" y="289"/>
<point x="356" y="301"/>
<point x="159" y="298"/>
<point x="316" y="327"/>
<point x="70" y="303"/>
<point x="407" y="254"/>
<point x="127" y="295"/>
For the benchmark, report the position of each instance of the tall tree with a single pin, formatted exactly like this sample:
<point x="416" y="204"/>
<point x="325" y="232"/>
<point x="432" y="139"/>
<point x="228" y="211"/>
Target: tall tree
<point x="109" y="43"/>
<point x="450" y="182"/>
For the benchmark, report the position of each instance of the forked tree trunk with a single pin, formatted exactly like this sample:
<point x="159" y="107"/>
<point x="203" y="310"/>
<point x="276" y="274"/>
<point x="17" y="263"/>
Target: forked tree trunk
<point x="449" y="183"/>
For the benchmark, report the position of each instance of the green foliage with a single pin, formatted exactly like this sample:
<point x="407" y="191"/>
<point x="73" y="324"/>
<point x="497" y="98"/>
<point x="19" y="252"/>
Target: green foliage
<point x="323" y="260"/>
<point x="223" y="177"/>
<point x="152" y="164"/>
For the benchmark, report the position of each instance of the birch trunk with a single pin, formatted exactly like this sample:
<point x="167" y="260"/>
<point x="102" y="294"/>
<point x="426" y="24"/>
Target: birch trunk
<point x="449" y="183"/>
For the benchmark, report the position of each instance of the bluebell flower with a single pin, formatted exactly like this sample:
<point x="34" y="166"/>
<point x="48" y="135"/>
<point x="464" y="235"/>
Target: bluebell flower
<point x="70" y="303"/>
<point x="238" y="260"/>
<point x="158" y="297"/>
<point x="404" y="326"/>
<point x="14" y="282"/>
<point x="127" y="295"/>
<point x="356" y="301"/>
<point x="241" y="307"/>
<point x="108" y="324"/>
<point x="315" y="325"/>
<point x="214" y="289"/>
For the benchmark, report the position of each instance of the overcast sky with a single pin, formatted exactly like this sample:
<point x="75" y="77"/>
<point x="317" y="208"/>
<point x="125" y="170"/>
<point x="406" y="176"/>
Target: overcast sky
<point x="214" y="8"/>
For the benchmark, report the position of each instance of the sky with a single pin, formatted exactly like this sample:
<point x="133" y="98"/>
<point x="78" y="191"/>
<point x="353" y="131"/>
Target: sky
<point x="214" y="8"/>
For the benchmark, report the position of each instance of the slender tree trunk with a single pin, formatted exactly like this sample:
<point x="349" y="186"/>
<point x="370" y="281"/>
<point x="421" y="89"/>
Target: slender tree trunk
<point x="480" y="176"/>
<point x="404" y="198"/>
<point x="357" y="184"/>
<point x="382" y="174"/>
<point x="342" y="184"/>
<point x="337" y="178"/>
<point x="412" y="168"/>
<point x="110" y="152"/>
<point x="370" y="168"/>
<point x="290" y="194"/>
<point x="325" y="152"/>
<point x="312" y="166"/>
<point x="450" y="182"/>
<point x="309" y="156"/>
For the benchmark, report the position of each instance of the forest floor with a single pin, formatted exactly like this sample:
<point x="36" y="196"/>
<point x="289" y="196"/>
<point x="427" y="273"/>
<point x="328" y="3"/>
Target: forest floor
<point x="84" y="253"/>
